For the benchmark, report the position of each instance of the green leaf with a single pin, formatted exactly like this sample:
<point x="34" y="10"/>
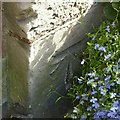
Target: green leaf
<point x="59" y="98"/>
<point x="116" y="6"/>
<point x="109" y="12"/>
<point x="90" y="44"/>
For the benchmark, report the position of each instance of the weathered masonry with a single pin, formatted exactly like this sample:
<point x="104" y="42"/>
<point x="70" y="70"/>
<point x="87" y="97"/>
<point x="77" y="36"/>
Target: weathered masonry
<point x="38" y="68"/>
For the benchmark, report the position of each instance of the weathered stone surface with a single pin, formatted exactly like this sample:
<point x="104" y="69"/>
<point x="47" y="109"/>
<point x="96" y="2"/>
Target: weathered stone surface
<point x="40" y="72"/>
<point x="49" y="16"/>
<point x="17" y="62"/>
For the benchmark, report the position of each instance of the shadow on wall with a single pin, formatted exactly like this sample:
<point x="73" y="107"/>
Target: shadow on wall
<point x="86" y="24"/>
<point x="55" y="64"/>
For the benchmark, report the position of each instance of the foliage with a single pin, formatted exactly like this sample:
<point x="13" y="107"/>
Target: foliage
<point x="96" y="92"/>
<point x="111" y="10"/>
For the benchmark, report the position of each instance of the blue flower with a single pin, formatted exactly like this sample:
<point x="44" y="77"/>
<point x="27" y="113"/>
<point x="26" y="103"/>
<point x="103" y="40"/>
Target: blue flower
<point x="77" y="97"/>
<point x="118" y="60"/>
<point x="114" y="108"/>
<point x="115" y="103"/>
<point x="107" y="69"/>
<point x="108" y="86"/>
<point x="107" y="57"/>
<point x="81" y="102"/>
<point x="96" y="117"/>
<point x="79" y="81"/>
<point x="92" y="74"/>
<point x="118" y="70"/>
<point x="90" y="81"/>
<point x="84" y="97"/>
<point x="93" y="100"/>
<point x="117" y="64"/>
<point x="102" y="49"/>
<point x="96" y="78"/>
<point x="101" y="87"/>
<point x="118" y="117"/>
<point x="101" y="113"/>
<point x="101" y="99"/>
<point x="108" y="28"/>
<point x="101" y="54"/>
<point x="111" y="114"/>
<point x="113" y="24"/>
<point x="96" y="105"/>
<point x="112" y="84"/>
<point x="89" y="108"/>
<point x="96" y="46"/>
<point x="93" y="38"/>
<point x="94" y="85"/>
<point x="101" y="77"/>
<point x="94" y="92"/>
<point x="103" y="92"/>
<point x="107" y="77"/>
<point x="106" y="82"/>
<point x="114" y="69"/>
<point x="83" y="61"/>
<point x="83" y="117"/>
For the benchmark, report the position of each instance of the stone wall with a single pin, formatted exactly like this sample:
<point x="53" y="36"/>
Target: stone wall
<point x="41" y="71"/>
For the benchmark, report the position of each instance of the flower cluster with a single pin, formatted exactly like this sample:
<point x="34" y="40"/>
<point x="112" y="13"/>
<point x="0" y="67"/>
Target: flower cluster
<point x="96" y="93"/>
